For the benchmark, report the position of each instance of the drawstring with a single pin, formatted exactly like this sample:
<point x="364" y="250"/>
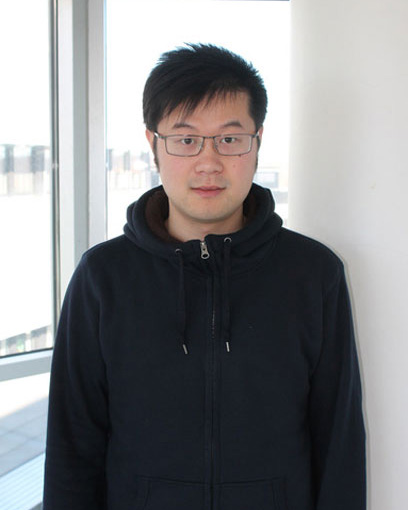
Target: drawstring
<point x="181" y="302"/>
<point x="226" y="296"/>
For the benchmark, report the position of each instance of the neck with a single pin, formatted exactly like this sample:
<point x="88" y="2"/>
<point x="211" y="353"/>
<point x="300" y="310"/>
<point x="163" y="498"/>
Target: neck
<point x="186" y="230"/>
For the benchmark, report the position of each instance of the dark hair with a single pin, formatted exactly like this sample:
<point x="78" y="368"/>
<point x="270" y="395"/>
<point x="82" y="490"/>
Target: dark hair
<point x="188" y="75"/>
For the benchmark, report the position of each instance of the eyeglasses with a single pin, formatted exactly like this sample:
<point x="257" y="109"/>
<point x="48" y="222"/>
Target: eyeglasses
<point x="234" y="144"/>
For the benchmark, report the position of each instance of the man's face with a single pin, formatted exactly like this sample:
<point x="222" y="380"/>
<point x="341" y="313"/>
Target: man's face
<point x="206" y="192"/>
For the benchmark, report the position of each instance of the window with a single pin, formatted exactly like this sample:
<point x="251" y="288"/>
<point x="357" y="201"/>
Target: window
<point x="25" y="199"/>
<point x="26" y="295"/>
<point x="138" y="32"/>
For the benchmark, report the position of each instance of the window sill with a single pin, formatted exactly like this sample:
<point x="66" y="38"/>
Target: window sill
<point x="23" y="365"/>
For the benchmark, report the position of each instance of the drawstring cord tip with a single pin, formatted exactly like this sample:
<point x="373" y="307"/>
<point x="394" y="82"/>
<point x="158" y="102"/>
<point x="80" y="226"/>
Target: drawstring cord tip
<point x="185" y="349"/>
<point x="227" y="346"/>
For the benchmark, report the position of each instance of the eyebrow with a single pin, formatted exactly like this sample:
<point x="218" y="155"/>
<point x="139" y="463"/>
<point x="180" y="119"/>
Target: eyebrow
<point x="179" y="125"/>
<point x="231" y="123"/>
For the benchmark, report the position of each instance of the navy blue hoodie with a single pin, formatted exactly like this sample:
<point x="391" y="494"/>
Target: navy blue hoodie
<point x="216" y="375"/>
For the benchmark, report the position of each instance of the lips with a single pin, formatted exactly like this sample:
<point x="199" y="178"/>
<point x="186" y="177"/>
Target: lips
<point x="208" y="191"/>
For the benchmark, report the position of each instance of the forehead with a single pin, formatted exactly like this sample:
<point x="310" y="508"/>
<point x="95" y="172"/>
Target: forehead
<point x="231" y="110"/>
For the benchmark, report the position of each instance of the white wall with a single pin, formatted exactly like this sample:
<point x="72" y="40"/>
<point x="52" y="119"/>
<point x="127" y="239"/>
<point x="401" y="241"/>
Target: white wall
<point x="348" y="186"/>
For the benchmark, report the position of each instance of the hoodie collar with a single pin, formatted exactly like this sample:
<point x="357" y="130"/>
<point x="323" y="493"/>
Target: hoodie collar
<point x="145" y="227"/>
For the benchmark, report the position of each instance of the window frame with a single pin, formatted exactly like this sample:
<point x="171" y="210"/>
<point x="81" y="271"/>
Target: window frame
<point x="78" y="153"/>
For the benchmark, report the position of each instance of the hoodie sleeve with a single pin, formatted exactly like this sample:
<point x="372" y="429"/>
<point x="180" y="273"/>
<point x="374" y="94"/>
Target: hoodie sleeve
<point x="335" y="410"/>
<point x="78" y="412"/>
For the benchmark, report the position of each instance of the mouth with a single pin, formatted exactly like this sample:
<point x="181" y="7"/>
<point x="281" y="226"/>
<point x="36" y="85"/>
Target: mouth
<point x="208" y="191"/>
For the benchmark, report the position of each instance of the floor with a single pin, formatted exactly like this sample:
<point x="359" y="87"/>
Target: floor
<point x="22" y="435"/>
<point x="23" y="423"/>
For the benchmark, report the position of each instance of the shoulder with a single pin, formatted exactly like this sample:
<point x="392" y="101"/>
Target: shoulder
<point x="107" y="251"/>
<point x="307" y="246"/>
<point x="309" y="257"/>
<point x="106" y="258"/>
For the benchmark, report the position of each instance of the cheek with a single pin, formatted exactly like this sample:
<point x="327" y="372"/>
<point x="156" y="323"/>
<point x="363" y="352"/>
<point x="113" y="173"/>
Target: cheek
<point x="245" y="166"/>
<point x="172" y="176"/>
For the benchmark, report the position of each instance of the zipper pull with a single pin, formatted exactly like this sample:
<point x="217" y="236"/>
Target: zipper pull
<point x="204" y="250"/>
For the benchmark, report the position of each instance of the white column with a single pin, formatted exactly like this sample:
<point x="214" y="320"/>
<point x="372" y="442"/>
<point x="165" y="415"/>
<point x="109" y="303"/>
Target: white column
<point x="81" y="67"/>
<point x="96" y="122"/>
<point x="73" y="134"/>
<point x="348" y="183"/>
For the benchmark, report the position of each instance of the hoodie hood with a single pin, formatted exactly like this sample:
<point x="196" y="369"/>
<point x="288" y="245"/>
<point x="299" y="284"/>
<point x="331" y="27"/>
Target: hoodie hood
<point x="225" y="255"/>
<point x="145" y="228"/>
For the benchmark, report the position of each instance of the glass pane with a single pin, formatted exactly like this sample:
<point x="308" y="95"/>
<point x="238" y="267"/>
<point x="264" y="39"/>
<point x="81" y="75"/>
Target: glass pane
<point x="138" y="32"/>
<point x="25" y="212"/>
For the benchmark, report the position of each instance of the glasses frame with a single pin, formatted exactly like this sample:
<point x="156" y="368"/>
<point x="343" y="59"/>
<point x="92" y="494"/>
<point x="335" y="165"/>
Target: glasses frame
<point x="202" y="138"/>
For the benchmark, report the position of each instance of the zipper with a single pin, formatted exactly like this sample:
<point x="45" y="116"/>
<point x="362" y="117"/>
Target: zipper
<point x="212" y="403"/>
<point x="205" y="254"/>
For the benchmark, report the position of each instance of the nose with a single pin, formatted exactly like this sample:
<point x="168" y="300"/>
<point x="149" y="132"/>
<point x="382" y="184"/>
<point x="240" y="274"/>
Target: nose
<point x="209" y="161"/>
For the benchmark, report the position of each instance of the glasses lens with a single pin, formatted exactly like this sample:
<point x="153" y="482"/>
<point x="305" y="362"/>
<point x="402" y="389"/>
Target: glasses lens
<point x="233" y="145"/>
<point x="183" y="145"/>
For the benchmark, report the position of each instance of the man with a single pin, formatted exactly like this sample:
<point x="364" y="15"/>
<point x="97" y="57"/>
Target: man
<point x="206" y="359"/>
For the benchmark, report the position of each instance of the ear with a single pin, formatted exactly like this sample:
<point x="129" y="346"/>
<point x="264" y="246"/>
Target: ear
<point x="260" y="132"/>
<point x="150" y="138"/>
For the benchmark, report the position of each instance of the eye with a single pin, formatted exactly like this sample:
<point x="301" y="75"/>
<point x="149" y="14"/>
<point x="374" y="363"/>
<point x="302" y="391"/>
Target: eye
<point x="228" y="140"/>
<point x="187" y="141"/>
